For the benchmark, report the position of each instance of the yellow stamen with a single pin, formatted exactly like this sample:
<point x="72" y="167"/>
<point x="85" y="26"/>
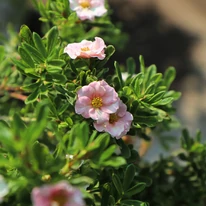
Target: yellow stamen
<point x="97" y="102"/>
<point x="85" y="4"/>
<point x="113" y="118"/>
<point x="85" y="49"/>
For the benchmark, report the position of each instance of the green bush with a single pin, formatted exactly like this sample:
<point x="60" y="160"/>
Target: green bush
<point x="44" y="141"/>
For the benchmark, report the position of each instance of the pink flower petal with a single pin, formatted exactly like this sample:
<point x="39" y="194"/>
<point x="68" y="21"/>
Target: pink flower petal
<point x="99" y="88"/>
<point x="97" y="114"/>
<point x="111" y="108"/>
<point x="117" y="126"/>
<point x="86" y="91"/>
<point x="59" y="194"/>
<point x="115" y="129"/>
<point x="94" y="8"/>
<point x="86" y="49"/>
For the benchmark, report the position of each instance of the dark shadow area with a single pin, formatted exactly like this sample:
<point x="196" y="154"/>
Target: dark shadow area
<point x="159" y="43"/>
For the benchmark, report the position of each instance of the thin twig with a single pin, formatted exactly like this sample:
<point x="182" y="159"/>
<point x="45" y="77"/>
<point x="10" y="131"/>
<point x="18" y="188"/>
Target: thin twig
<point x="18" y="96"/>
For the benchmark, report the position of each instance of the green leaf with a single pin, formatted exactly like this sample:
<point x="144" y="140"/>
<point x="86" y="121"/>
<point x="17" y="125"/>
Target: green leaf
<point x="102" y="72"/>
<point x="54" y="69"/>
<point x="142" y="65"/>
<point x="42" y="111"/>
<point x="131" y="65"/>
<point x="34" y="53"/>
<point x="139" y="187"/>
<point x="39" y="45"/>
<point x="156" y="97"/>
<point x="186" y="140"/>
<point x="127" y="90"/>
<point x="111" y="200"/>
<point x="118" y="185"/>
<point x="114" y="162"/>
<point x="17" y="126"/>
<point x="85" y="131"/>
<point x="133" y="203"/>
<point x="58" y="78"/>
<point x="21" y="65"/>
<point x="128" y="176"/>
<point x="145" y="179"/>
<point x="6" y="138"/>
<point x="149" y="121"/>
<point x="102" y="141"/>
<point x="150" y="89"/>
<point x="109" y="52"/>
<point x="156" y="78"/>
<point x="175" y="95"/>
<point x="25" y="35"/>
<point x="26" y="57"/>
<point x="136" y="84"/>
<point x="3" y="161"/>
<point x="52" y="39"/>
<point x="41" y="155"/>
<point x="169" y="76"/>
<point x="164" y="101"/>
<point x="105" y="194"/>
<point x="57" y="62"/>
<point x="82" y="180"/>
<point x="79" y="136"/>
<point x="119" y="74"/>
<point x="63" y="108"/>
<point x="32" y="97"/>
<point x="2" y="53"/>
<point x="150" y="72"/>
<point x="31" y="87"/>
<point x="107" y="153"/>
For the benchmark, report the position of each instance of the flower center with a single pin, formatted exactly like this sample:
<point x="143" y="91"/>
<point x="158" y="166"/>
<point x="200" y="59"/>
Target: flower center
<point x="113" y="118"/>
<point x="97" y="102"/>
<point x="59" y="200"/>
<point x="85" y="49"/>
<point x="85" y="4"/>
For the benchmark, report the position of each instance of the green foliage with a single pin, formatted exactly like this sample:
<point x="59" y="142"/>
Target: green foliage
<point x="43" y="140"/>
<point x="180" y="178"/>
<point x="147" y="93"/>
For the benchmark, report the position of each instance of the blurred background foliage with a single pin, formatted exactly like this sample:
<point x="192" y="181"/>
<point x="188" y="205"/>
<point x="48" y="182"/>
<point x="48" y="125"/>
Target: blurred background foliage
<point x="149" y="31"/>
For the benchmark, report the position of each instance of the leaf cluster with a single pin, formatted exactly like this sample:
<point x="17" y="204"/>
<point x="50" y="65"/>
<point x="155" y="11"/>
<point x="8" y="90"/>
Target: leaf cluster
<point x="43" y="140"/>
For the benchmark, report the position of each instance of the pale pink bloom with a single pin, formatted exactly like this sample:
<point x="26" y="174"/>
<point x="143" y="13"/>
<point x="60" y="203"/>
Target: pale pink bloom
<point x="60" y="194"/>
<point x="86" y="49"/>
<point x="97" y="100"/>
<point x="88" y="9"/>
<point x="118" y="124"/>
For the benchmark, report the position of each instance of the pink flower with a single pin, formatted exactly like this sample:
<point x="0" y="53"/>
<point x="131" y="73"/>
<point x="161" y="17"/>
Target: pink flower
<point x="86" y="49"/>
<point x="88" y="9"/>
<point x="97" y="100"/>
<point x="61" y="194"/>
<point x="119" y="123"/>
